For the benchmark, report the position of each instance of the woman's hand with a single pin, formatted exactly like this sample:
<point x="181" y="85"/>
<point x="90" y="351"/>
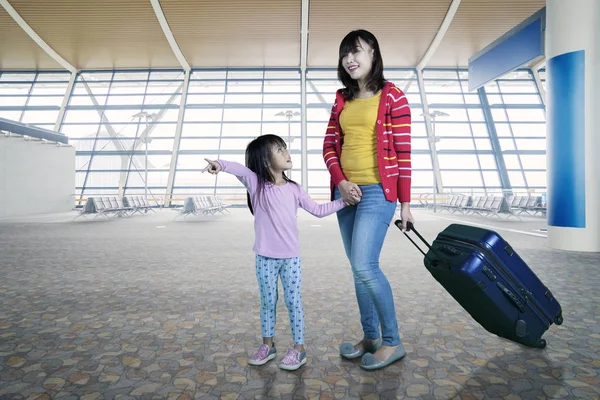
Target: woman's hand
<point x="405" y="216"/>
<point x="350" y="192"/>
<point x="213" y="167"/>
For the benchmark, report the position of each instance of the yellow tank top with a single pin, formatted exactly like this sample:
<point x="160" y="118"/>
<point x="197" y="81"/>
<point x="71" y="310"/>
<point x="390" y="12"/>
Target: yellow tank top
<point x="359" y="150"/>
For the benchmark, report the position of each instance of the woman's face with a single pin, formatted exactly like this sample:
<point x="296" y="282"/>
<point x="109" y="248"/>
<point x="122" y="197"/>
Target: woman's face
<point x="359" y="61"/>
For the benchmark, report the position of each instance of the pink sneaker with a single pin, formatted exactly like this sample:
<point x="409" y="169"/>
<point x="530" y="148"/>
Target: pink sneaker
<point x="264" y="354"/>
<point x="293" y="360"/>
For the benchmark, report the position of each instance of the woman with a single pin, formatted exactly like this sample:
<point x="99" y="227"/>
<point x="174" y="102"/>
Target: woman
<point x="367" y="152"/>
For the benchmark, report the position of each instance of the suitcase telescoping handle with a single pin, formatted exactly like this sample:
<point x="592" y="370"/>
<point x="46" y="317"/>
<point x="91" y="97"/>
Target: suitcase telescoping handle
<point x="411" y="227"/>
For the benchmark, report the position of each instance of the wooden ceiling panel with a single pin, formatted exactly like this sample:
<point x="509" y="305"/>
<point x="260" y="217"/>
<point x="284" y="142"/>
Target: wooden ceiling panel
<point x="100" y="34"/>
<point x="404" y="29"/>
<point x="250" y="33"/>
<point x="18" y="50"/>
<point x="476" y="24"/>
<point x="230" y="33"/>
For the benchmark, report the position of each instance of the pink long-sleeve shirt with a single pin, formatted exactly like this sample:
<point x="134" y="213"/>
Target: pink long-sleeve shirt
<point x="275" y="212"/>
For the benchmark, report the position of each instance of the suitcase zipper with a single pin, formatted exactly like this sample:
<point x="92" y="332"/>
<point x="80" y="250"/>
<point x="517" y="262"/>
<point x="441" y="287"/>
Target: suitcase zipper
<point x="492" y="259"/>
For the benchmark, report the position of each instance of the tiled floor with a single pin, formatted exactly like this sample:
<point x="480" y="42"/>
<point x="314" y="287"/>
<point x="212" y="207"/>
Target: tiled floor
<point x="147" y="307"/>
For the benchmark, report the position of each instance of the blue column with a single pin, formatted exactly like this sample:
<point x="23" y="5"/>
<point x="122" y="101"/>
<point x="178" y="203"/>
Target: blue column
<point x="573" y="124"/>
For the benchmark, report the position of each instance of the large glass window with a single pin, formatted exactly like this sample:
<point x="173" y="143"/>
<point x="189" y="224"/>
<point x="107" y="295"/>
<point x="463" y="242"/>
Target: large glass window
<point x="113" y="119"/>
<point x="105" y="119"/>
<point x="33" y="97"/>
<point x="463" y="143"/>
<point x="224" y="111"/>
<point x="520" y="121"/>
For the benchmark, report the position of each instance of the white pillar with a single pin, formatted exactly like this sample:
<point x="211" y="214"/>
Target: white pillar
<point x="573" y="124"/>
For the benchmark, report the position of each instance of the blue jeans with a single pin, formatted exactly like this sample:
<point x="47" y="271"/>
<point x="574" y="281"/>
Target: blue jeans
<point x="363" y="228"/>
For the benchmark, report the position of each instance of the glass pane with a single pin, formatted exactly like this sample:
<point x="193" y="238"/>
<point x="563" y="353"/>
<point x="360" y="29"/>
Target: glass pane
<point x="521" y="99"/>
<point x="461" y="179"/>
<point x="498" y="114"/>
<point x="511" y="161"/>
<point x="526" y="115"/>
<point x="507" y="144"/>
<point x="479" y="130"/>
<point x="483" y="144"/>
<point x="451" y="129"/>
<point x="201" y="130"/>
<point x="535" y="178"/>
<point x="531" y="161"/>
<point x="476" y="115"/>
<point x="39" y="116"/>
<point x="455" y="144"/>
<point x="531" y="144"/>
<point x="491" y="178"/>
<point x="458" y="161"/>
<point x="89" y="116"/>
<point x="205" y="99"/>
<point x="242" y="129"/>
<point x="242" y="114"/>
<point x="199" y="114"/>
<point x="516" y="178"/>
<point x="422" y="179"/>
<point x="487" y="161"/>
<point x="538" y="130"/>
<point x="421" y="161"/>
<point x="418" y="144"/>
<point x="503" y="129"/>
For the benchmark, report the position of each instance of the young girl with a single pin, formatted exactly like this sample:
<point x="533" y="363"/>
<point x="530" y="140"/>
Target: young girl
<point x="274" y="200"/>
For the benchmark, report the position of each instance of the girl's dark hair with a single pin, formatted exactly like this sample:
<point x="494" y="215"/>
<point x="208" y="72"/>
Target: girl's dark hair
<point x="375" y="79"/>
<point x="258" y="160"/>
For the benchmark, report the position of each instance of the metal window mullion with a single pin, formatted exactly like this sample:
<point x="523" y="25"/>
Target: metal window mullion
<point x="221" y="128"/>
<point x="93" y="152"/>
<point x="134" y="145"/>
<point x="472" y="135"/>
<point x="428" y="128"/>
<point x="66" y="100"/>
<point x="28" y="96"/>
<point x="493" y="135"/>
<point x="508" y="122"/>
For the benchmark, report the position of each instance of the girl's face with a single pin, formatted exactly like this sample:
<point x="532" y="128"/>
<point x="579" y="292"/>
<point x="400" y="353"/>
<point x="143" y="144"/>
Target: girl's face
<point x="359" y="61"/>
<point x="281" y="160"/>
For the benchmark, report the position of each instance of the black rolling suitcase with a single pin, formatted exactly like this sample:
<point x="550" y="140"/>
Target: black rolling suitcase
<point x="491" y="282"/>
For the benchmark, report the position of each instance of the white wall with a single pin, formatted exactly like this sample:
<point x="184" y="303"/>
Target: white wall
<point x="35" y="178"/>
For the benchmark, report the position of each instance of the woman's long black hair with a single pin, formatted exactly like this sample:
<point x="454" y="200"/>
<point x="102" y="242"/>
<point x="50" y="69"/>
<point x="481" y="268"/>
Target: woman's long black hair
<point x="375" y="80"/>
<point x="258" y="160"/>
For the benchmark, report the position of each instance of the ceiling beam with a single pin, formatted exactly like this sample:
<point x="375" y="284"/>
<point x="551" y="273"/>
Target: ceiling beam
<point x="439" y="35"/>
<point x="304" y="35"/>
<point x="539" y="64"/>
<point x="169" y="34"/>
<point x="36" y="38"/>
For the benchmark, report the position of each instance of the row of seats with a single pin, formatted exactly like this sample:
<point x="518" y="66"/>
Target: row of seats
<point x="202" y="205"/>
<point x="509" y="206"/>
<point x="115" y="207"/>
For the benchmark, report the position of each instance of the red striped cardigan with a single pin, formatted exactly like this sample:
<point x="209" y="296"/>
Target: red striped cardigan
<point x="393" y="143"/>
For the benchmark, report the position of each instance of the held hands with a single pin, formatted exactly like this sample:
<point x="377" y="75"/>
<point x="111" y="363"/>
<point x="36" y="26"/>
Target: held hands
<point x="213" y="167"/>
<point x="350" y="192"/>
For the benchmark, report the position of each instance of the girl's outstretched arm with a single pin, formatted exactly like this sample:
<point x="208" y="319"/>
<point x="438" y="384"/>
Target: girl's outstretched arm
<point x="247" y="177"/>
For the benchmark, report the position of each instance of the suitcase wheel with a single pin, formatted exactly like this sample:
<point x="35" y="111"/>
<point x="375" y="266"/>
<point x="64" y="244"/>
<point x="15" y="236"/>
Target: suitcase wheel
<point x="541" y="344"/>
<point x="558" y="320"/>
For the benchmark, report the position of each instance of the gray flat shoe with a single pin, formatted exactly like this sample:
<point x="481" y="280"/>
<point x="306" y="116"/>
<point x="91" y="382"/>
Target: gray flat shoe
<point x="347" y="350"/>
<point x="369" y="361"/>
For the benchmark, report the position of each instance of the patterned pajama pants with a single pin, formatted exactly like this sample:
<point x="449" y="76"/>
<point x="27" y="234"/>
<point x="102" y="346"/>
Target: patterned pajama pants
<point x="268" y="271"/>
